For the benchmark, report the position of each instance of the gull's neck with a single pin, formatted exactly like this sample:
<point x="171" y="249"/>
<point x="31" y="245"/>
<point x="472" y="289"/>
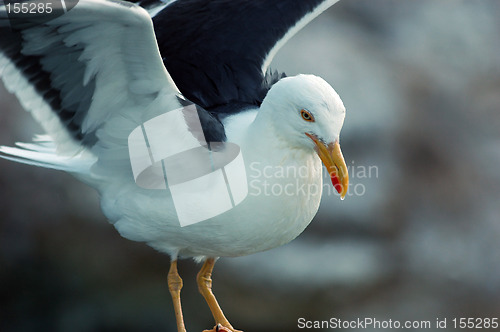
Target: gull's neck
<point x="262" y="134"/>
<point x="286" y="182"/>
<point x="264" y="141"/>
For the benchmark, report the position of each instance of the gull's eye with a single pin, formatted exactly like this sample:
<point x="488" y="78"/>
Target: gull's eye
<point x="307" y="116"/>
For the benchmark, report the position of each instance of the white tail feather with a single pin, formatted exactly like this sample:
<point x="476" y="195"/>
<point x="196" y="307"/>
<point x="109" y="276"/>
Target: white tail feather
<point x="44" y="154"/>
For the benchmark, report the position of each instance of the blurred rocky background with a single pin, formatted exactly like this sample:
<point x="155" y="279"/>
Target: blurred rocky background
<point x="415" y="240"/>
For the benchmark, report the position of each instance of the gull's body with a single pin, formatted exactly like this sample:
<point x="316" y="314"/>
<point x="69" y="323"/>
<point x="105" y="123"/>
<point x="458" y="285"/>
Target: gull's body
<point x="93" y="75"/>
<point x="245" y="229"/>
<point x="240" y="231"/>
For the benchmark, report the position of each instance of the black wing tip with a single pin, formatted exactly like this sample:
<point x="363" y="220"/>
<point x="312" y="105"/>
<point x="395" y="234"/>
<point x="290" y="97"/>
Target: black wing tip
<point x="30" y="67"/>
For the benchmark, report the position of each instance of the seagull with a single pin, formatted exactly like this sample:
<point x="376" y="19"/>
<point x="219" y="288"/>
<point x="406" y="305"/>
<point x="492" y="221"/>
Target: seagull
<point x="103" y="76"/>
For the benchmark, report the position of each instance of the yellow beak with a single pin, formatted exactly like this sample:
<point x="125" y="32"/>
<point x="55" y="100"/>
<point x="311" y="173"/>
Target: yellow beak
<point x="332" y="158"/>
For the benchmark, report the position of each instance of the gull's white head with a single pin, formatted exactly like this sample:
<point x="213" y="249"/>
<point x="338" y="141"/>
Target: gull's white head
<point x="307" y="113"/>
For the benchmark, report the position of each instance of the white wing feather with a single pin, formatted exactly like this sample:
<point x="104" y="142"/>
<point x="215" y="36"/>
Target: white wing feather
<point x="119" y="51"/>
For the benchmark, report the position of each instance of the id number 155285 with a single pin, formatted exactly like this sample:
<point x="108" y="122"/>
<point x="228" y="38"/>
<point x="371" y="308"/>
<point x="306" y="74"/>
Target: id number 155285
<point x="29" y="8"/>
<point x="475" y="323"/>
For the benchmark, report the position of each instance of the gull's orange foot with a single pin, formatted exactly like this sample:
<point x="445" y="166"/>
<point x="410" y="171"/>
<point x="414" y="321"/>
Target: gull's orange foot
<point x="220" y="328"/>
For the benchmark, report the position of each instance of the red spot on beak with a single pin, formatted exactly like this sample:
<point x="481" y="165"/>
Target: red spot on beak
<point x="336" y="182"/>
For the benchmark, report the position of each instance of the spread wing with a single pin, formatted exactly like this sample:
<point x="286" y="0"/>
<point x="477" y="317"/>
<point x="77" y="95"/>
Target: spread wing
<point x="78" y="71"/>
<point x="90" y="77"/>
<point x="218" y="52"/>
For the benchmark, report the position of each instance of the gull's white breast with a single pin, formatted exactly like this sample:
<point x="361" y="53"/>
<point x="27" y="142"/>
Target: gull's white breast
<point x="284" y="185"/>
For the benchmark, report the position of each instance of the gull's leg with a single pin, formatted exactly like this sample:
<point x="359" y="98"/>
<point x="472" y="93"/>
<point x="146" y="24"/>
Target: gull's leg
<point x="204" y="280"/>
<point x="175" y="286"/>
